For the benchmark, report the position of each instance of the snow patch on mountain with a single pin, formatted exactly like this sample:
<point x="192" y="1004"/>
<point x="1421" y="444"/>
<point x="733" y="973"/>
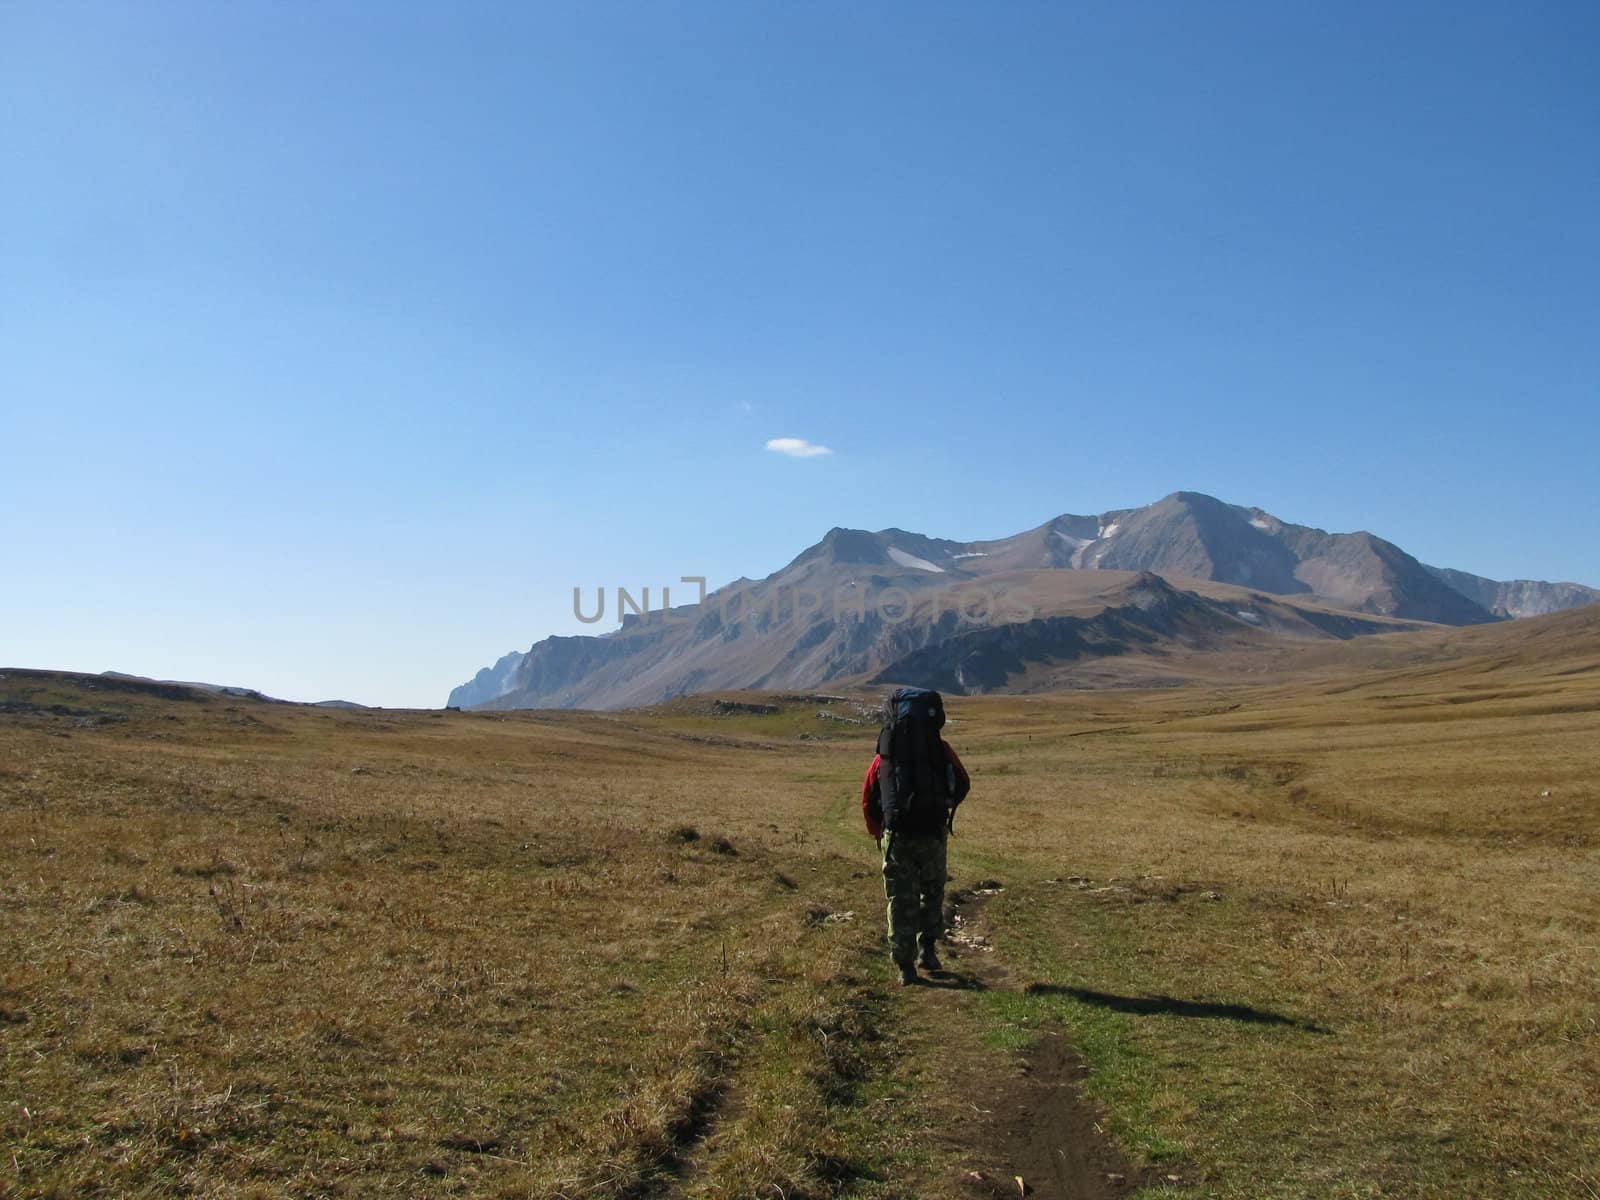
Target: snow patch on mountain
<point x="911" y="560"/>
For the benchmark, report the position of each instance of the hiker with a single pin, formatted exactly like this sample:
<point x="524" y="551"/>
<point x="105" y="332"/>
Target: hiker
<point x="910" y="793"/>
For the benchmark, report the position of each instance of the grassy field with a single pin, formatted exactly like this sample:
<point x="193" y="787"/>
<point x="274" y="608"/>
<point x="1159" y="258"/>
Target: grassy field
<point x="1334" y="936"/>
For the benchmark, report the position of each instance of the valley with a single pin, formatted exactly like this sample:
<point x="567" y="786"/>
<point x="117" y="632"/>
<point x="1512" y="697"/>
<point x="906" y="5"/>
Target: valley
<point x="1329" y="933"/>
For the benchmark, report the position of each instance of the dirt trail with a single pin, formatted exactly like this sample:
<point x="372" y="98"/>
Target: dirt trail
<point x="1024" y="1120"/>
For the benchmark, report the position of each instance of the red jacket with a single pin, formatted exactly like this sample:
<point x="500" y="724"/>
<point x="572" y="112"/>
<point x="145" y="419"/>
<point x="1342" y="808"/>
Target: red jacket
<point x="870" y="806"/>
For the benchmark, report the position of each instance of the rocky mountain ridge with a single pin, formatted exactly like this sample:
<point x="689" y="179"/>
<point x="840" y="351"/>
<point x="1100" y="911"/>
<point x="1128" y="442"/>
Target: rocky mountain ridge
<point x="822" y="618"/>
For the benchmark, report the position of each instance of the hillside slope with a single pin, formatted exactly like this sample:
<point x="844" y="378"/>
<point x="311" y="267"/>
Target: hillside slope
<point x="1154" y="628"/>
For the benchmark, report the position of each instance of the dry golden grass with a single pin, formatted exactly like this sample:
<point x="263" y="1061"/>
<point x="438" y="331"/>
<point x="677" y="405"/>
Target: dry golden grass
<point x="269" y="950"/>
<point x="1329" y="937"/>
<point x="1406" y="860"/>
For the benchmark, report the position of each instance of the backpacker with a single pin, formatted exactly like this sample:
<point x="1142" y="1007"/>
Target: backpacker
<point x="917" y="785"/>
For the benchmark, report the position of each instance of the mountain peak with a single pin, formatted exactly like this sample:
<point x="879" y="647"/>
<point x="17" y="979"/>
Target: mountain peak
<point x="1184" y="535"/>
<point x="852" y="545"/>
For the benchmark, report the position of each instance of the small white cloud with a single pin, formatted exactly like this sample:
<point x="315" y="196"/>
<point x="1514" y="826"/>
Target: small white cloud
<point x="796" y="448"/>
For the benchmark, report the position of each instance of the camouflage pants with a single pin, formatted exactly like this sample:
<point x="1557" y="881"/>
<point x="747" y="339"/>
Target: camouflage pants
<point x="913" y="880"/>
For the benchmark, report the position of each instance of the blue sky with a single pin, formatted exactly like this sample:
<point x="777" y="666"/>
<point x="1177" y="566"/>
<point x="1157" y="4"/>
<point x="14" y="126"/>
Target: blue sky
<point x="338" y="342"/>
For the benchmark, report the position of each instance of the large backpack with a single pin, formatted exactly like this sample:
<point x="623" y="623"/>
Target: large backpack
<point x="916" y="783"/>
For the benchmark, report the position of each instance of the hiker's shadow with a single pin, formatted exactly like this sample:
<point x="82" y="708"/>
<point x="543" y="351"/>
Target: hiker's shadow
<point x="1172" y="1006"/>
<point x="953" y="981"/>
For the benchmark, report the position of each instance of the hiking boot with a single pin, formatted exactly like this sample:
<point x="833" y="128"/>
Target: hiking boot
<point x="929" y="961"/>
<point x="908" y="973"/>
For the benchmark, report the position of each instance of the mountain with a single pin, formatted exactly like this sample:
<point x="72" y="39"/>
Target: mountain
<point x="1149" y="633"/>
<point x="1044" y="628"/>
<point x="1138" y="595"/>
<point x="1195" y="535"/>
<point x="488" y="684"/>
<point x="1517" y="597"/>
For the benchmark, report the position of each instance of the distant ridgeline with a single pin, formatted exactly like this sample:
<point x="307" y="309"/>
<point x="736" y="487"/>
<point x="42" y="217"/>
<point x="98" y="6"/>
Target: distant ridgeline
<point x="1136" y="597"/>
